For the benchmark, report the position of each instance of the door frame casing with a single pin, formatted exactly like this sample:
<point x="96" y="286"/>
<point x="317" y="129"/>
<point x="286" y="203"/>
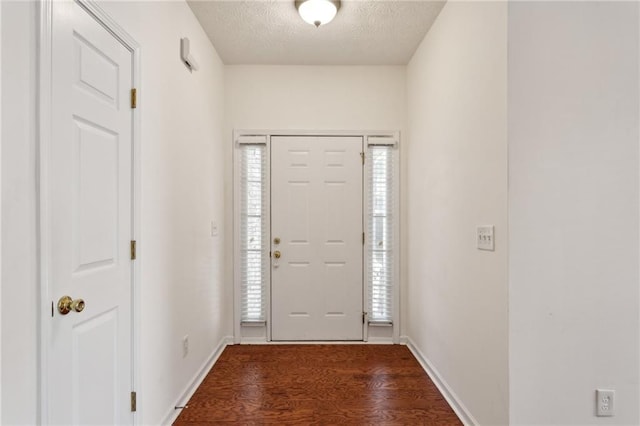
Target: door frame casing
<point x="266" y="337"/>
<point x="44" y="86"/>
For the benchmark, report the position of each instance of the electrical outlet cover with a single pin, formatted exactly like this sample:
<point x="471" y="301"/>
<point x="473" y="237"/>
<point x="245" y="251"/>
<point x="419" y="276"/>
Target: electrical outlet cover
<point x="605" y="402"/>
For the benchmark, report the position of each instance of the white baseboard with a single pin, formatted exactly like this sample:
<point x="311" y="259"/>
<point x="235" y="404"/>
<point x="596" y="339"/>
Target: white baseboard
<point x="449" y="395"/>
<point x="253" y="340"/>
<point x="380" y="340"/>
<point x="197" y="379"/>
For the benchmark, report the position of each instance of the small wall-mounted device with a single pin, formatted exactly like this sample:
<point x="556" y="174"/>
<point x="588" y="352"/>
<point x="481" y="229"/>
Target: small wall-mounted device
<point x="485" y="239"/>
<point x="186" y="56"/>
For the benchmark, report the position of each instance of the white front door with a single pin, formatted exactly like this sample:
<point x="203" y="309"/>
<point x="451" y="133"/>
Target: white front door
<point x="88" y="220"/>
<point x="316" y="214"/>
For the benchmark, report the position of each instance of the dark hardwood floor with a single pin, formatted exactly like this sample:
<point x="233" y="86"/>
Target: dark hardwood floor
<point x="317" y="384"/>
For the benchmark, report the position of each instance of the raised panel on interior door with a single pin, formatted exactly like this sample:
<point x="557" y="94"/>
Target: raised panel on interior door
<point x="298" y="158"/>
<point x="95" y="197"/>
<point x="334" y="212"/>
<point x="334" y="278"/>
<point x="299" y="286"/>
<point x="339" y="278"/>
<point x="95" y="355"/>
<point x="334" y="158"/>
<point x="95" y="71"/>
<point x="298" y="206"/>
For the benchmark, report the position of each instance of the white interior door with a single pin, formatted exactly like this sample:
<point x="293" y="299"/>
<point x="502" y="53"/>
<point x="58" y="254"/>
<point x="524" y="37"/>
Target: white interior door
<point x="316" y="213"/>
<point x="89" y="221"/>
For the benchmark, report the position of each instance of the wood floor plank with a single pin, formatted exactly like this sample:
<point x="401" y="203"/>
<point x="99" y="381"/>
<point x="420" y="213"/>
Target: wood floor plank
<point x="317" y="385"/>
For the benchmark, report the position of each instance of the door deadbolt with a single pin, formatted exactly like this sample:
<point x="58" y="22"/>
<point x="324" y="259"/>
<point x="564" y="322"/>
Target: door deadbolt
<point x="276" y="240"/>
<point x="66" y="304"/>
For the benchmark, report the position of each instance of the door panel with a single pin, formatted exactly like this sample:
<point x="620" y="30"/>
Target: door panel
<point x="316" y="211"/>
<point x="95" y="198"/>
<point x="101" y="367"/>
<point x="89" y="375"/>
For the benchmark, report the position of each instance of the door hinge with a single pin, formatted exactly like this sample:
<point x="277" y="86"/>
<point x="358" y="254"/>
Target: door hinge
<point x="363" y="238"/>
<point x="362" y="155"/>
<point x="133" y="249"/>
<point x="364" y="317"/>
<point x="134" y="402"/>
<point x="134" y="98"/>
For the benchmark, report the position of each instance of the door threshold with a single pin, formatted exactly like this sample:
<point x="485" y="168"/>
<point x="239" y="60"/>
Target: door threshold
<point x="315" y="342"/>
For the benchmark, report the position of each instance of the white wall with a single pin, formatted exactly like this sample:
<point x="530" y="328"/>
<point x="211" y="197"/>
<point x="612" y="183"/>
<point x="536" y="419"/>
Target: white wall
<point x="573" y="210"/>
<point x="308" y="98"/>
<point x="181" y="287"/>
<point x="315" y="97"/>
<point x="0" y="209"/>
<point x="19" y="276"/>
<point x="456" y="299"/>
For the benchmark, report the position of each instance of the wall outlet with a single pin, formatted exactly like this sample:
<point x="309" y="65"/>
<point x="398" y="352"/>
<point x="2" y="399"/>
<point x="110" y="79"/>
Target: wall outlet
<point x="484" y="237"/>
<point x="214" y="228"/>
<point x="185" y="346"/>
<point x="604" y="402"/>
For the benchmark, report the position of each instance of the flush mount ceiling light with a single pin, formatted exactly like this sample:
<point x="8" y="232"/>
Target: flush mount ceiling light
<point x="318" y="12"/>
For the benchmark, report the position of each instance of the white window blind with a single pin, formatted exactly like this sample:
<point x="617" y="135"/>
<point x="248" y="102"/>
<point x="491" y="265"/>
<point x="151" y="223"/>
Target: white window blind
<point x="380" y="230"/>
<point x="253" y="231"/>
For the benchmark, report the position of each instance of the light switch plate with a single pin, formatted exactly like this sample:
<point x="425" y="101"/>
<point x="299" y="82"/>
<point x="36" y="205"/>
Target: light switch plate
<point x="485" y="238"/>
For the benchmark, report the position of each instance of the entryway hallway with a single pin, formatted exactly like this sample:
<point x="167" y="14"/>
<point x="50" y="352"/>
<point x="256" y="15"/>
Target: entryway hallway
<point x="317" y="384"/>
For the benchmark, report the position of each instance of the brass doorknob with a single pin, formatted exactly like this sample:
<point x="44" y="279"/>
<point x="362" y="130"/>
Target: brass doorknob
<point x="66" y="304"/>
<point x="77" y="305"/>
<point x="276" y="254"/>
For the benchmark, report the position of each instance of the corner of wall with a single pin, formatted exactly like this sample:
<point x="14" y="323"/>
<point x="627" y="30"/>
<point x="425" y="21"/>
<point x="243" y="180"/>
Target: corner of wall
<point x="195" y="381"/>
<point x="456" y="299"/>
<point x="447" y="392"/>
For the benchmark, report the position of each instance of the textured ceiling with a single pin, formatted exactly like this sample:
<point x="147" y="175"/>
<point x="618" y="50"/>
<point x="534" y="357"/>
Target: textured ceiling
<point x="373" y="32"/>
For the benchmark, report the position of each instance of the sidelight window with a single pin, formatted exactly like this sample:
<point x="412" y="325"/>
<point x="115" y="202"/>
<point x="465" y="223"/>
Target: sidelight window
<point x="381" y="252"/>
<point x="253" y="230"/>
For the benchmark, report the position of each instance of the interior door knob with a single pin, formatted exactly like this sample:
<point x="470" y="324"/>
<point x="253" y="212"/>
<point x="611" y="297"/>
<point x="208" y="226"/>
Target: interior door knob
<point x="66" y="304"/>
<point x="276" y="254"/>
<point x="77" y="305"/>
